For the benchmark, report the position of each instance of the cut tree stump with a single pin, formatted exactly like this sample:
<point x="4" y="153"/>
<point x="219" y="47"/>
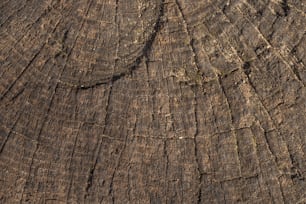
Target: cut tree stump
<point x="153" y="101"/>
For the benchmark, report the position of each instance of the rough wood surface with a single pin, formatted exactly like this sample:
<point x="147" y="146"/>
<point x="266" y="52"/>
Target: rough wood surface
<point x="152" y="101"/>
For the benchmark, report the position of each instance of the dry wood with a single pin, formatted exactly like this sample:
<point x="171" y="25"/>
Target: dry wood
<point x="152" y="101"/>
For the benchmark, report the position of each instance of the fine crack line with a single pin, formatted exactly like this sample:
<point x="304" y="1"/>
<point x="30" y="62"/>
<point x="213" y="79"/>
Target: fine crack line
<point x="231" y="119"/>
<point x="145" y="53"/>
<point x="38" y="138"/>
<point x="99" y="146"/>
<point x="76" y="37"/>
<point x="74" y="147"/>
<point x="10" y="132"/>
<point x="197" y="160"/>
<point x="22" y="73"/>
<point x="190" y="38"/>
<point x="246" y="64"/>
<point x="269" y="45"/>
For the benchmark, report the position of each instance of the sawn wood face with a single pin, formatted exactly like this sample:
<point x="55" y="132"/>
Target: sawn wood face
<point x="181" y="101"/>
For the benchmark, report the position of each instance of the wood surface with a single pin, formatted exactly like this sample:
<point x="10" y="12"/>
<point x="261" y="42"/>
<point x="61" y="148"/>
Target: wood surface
<point x="153" y="101"/>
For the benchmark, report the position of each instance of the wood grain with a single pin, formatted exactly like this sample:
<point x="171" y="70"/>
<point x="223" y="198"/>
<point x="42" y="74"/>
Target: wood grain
<point x="162" y="101"/>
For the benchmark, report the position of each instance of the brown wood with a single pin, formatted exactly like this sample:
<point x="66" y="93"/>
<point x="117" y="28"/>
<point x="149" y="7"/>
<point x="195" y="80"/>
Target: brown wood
<point x="182" y="101"/>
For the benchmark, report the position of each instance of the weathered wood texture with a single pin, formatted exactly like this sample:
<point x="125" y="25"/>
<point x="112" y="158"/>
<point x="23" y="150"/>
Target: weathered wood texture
<point x="152" y="101"/>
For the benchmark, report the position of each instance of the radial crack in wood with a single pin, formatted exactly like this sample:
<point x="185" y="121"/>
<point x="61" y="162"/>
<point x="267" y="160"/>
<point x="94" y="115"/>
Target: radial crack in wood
<point x="152" y="101"/>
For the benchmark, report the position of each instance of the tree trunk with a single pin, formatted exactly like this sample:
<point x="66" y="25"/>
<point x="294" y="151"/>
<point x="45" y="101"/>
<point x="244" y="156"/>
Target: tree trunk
<point x="182" y="101"/>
